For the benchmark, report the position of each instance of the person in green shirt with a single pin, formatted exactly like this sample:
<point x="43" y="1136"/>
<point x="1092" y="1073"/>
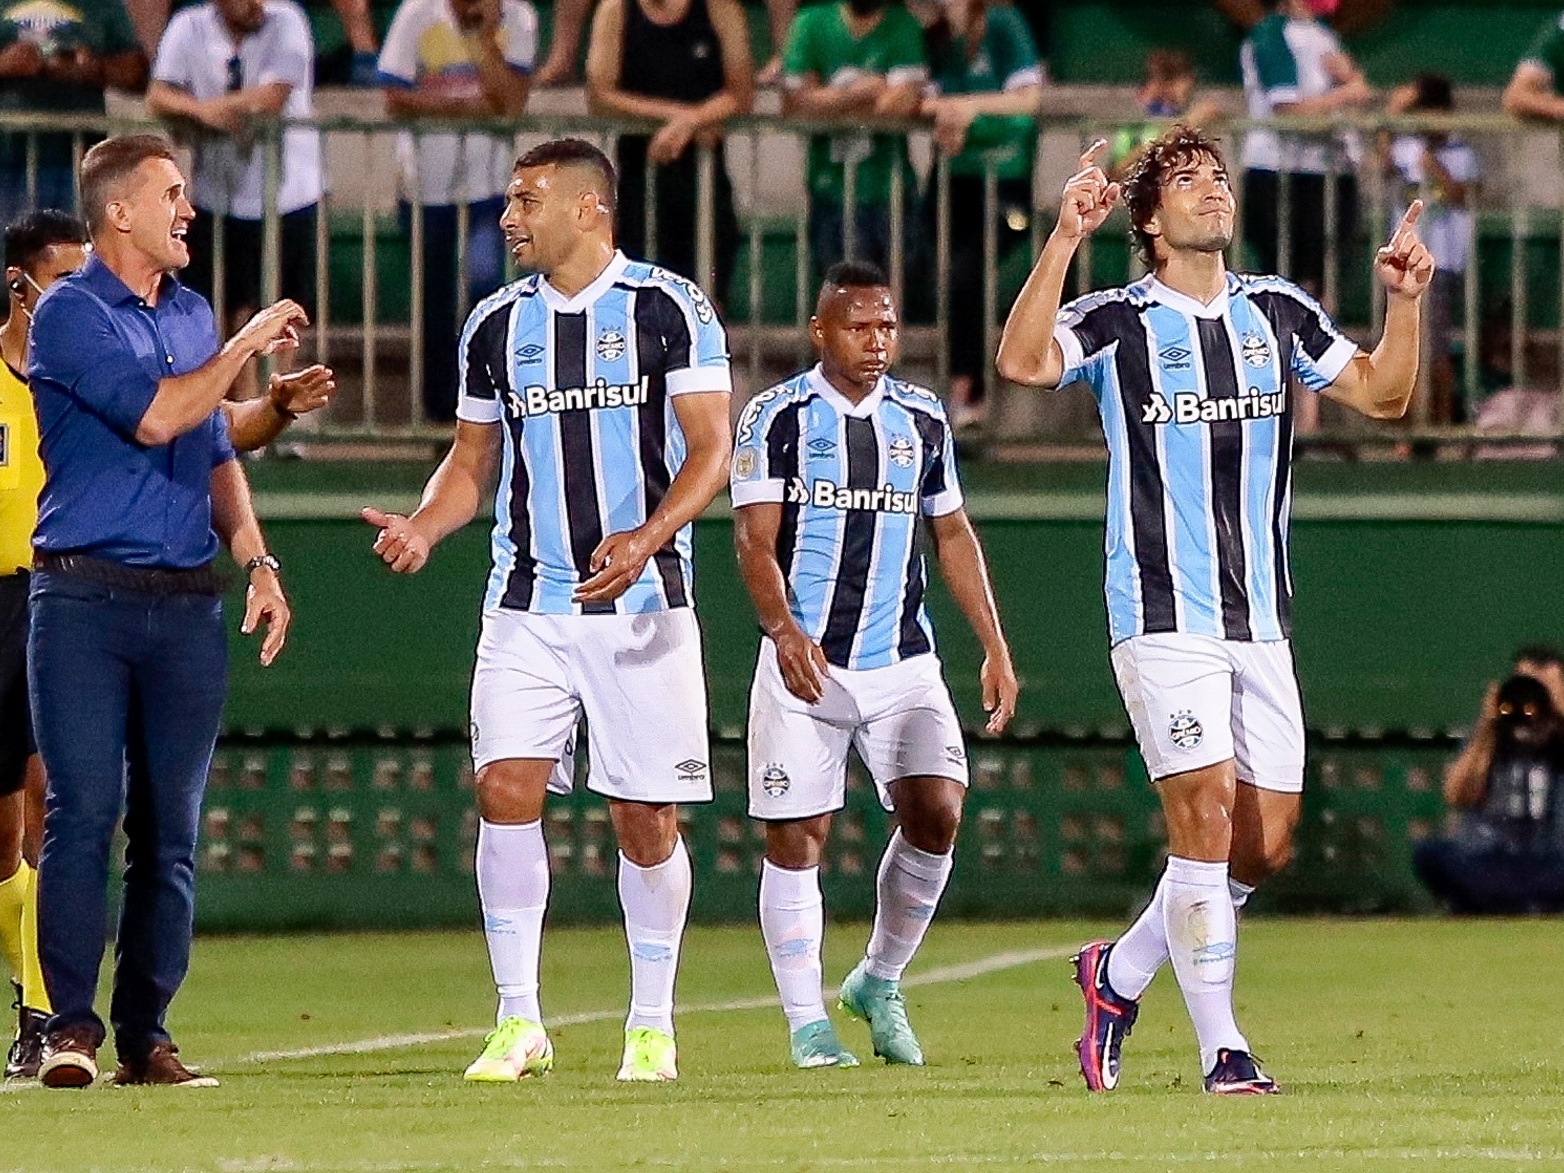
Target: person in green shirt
<point x="847" y="62"/>
<point x="1536" y="88"/>
<point x="986" y="88"/>
<point x="59" y="57"/>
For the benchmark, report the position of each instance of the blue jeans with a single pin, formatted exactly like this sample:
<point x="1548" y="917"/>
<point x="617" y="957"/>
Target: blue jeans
<point x="127" y="691"/>
<point x="485" y="270"/>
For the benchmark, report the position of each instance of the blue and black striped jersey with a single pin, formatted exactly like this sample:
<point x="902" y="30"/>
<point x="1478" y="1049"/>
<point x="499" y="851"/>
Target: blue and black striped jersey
<point x="584" y="389"/>
<point x="855" y="482"/>
<point x="1196" y="404"/>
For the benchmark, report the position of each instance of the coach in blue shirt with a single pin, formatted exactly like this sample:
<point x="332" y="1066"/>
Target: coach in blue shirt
<point x="127" y="657"/>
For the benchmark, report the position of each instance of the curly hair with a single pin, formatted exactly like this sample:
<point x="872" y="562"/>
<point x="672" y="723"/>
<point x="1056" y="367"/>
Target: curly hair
<point x="1158" y="159"/>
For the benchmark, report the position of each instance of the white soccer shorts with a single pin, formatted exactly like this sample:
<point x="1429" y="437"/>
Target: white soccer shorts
<point x="1195" y="701"/>
<point x="637" y="679"/>
<point x="899" y="717"/>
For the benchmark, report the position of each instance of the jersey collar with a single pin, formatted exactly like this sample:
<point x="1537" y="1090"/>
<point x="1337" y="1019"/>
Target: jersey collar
<point x="560" y="304"/>
<point x="1186" y="304"/>
<point x="863" y="409"/>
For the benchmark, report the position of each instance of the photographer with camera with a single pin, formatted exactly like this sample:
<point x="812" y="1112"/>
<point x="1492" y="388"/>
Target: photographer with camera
<point x="1505" y="853"/>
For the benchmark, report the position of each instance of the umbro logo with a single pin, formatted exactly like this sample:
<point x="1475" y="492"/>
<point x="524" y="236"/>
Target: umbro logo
<point x="1175" y="358"/>
<point x="820" y="446"/>
<point x="530" y="353"/>
<point x="691" y="770"/>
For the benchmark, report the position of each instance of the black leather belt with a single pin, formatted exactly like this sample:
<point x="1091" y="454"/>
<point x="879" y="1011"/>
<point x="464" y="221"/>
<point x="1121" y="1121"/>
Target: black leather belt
<point x="150" y="580"/>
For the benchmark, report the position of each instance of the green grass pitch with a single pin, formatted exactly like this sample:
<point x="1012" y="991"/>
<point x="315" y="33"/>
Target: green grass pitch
<point x="1401" y="1044"/>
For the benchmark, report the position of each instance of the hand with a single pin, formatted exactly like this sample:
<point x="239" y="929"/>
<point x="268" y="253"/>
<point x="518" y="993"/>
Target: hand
<point x="489" y="16"/>
<point x="900" y="102"/>
<point x="865" y="90"/>
<point x="952" y="121"/>
<point x="223" y="116"/>
<point x="401" y="544"/>
<point x="21" y="59"/>
<point x="616" y="564"/>
<point x="1088" y="196"/>
<point x="1405" y="267"/>
<point x="76" y="66"/>
<point x="275" y="328"/>
<point x="803" y="665"/>
<point x="264" y="602"/>
<point x="303" y="391"/>
<point x="1490" y="712"/>
<point x="670" y="140"/>
<point x="1000" y="690"/>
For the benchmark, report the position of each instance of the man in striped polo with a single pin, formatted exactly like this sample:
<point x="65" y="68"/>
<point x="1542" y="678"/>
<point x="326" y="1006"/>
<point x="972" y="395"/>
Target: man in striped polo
<point x="1196" y="372"/>
<point x="835" y="474"/>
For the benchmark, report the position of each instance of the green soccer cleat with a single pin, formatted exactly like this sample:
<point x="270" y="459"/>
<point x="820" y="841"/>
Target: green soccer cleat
<point x="815" y="1045"/>
<point x="513" y="1050"/>
<point x="879" y="1002"/>
<point x="650" y="1057"/>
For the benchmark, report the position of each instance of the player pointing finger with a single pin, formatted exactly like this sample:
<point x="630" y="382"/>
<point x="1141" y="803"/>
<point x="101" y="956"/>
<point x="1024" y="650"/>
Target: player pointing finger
<point x="1405" y="266"/>
<point x="1089" y="196"/>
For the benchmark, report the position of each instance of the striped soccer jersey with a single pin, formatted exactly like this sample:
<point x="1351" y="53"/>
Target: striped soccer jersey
<point x="854" y="482"/>
<point x="584" y="389"/>
<point x="1197" y="410"/>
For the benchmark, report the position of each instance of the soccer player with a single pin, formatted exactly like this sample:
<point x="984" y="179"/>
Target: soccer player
<point x="834" y="472"/>
<point x="1197" y="372"/>
<point x="601" y="385"/>
<point x="42" y="247"/>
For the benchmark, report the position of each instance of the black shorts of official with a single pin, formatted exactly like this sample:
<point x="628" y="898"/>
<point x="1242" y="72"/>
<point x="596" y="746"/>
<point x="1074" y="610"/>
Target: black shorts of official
<point x="1306" y="224"/>
<point x="16" y="718"/>
<point x="242" y="260"/>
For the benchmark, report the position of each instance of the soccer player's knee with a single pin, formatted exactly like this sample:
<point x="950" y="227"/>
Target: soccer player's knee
<point x="797" y="844"/>
<point x="510" y="792"/>
<point x="930" y="824"/>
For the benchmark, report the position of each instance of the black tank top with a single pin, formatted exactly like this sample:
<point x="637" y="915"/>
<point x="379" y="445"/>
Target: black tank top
<point x="680" y="62"/>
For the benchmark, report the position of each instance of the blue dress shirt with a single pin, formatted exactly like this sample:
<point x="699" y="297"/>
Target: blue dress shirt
<point x="98" y="352"/>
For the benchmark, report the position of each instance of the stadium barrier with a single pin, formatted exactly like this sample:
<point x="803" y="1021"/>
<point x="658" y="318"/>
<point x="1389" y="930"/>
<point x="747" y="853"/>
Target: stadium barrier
<point x="365" y="834"/>
<point x="369" y="320"/>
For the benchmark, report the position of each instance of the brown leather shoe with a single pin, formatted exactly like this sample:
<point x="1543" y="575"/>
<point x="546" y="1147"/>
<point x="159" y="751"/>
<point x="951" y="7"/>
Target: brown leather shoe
<point x="70" y="1058"/>
<point x="160" y="1066"/>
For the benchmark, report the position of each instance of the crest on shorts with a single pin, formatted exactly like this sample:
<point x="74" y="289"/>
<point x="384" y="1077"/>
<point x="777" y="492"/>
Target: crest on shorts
<point x="746" y="462"/>
<point x="1184" y="731"/>
<point x="610" y="345"/>
<point x="774" y="780"/>
<point x="1256" y="352"/>
<point x="901" y="452"/>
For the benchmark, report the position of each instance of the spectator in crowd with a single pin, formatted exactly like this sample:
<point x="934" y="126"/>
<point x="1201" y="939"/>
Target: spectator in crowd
<point x="150" y="17"/>
<point x="570" y="18"/>
<point x="59" y="58"/>
<point x="1294" y="64"/>
<point x="1536" y="88"/>
<point x="846" y="62"/>
<point x="446" y="59"/>
<point x="1440" y="168"/>
<point x="221" y="66"/>
<point x="686" y="64"/>
<point x="1166" y="95"/>
<point x="1506" y="791"/>
<point x="985" y="88"/>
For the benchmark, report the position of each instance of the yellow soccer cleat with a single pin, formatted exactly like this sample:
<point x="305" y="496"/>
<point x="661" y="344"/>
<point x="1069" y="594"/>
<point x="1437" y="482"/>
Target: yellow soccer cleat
<point x="513" y="1050"/>
<point x="650" y="1057"/>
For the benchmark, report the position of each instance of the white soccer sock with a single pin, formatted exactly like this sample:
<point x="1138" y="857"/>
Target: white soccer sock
<point x="1141" y="951"/>
<point x="1240" y="892"/>
<point x="655" y="901"/>
<point x="908" y="889"/>
<point x="792" y="921"/>
<point x="513" y="884"/>
<point x="1202" y="932"/>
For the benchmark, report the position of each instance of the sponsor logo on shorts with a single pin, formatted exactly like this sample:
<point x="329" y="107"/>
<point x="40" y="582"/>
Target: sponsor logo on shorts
<point x="610" y="345"/>
<point x="746" y="463"/>
<point x="774" y="780"/>
<point x="691" y="770"/>
<point x="1184" y="731"/>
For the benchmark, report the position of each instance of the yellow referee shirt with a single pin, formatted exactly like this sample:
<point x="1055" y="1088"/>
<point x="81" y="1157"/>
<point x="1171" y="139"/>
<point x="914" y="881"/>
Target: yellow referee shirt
<point x="21" y="472"/>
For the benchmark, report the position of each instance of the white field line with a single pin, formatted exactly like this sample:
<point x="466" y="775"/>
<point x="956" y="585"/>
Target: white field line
<point x="931" y="977"/>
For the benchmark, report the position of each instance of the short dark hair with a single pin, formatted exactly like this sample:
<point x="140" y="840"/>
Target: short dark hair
<point x="1434" y="92"/>
<point x="107" y="164"/>
<point x="853" y="275"/>
<point x="27" y="237"/>
<point x="576" y="152"/>
<point x="1545" y="654"/>
<point x="1158" y="160"/>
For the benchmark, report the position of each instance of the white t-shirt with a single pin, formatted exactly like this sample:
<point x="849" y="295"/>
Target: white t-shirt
<point x="425" y="50"/>
<point x="1445" y="229"/>
<point x="194" y="55"/>
<point x="1285" y="61"/>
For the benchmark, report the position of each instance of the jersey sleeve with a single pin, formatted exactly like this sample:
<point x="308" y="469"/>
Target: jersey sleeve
<point x="398" y="64"/>
<point x="1020" y="66"/>
<point x="765" y="450"/>
<point x="941" y="487"/>
<point x="1276" y="69"/>
<point x="1547" y="50"/>
<point x="294" y="63"/>
<point x="697" y="354"/>
<point x="482" y="375"/>
<point x="798" y="57"/>
<point x="1080" y="330"/>
<point x="222" y="442"/>
<point x="521" y="35"/>
<point x="1321" y="351"/>
<point x="175" y="54"/>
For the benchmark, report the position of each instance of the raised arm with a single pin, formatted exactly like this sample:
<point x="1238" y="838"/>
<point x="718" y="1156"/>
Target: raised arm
<point x="451" y="499"/>
<point x="1380" y="385"/>
<point x="1529" y="94"/>
<point x="1028" y="353"/>
<point x="965" y="571"/>
<point x="1466" y="778"/>
<point x="801" y="660"/>
<point x="255" y="423"/>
